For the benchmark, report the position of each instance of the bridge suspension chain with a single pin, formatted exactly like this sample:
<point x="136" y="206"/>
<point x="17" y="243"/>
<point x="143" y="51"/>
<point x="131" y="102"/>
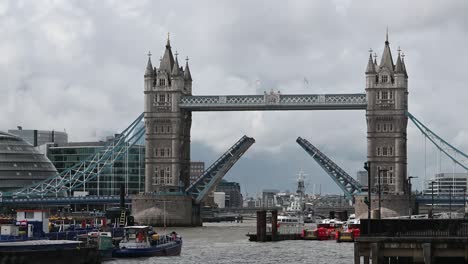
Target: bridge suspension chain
<point x="87" y="170"/>
<point x="450" y="151"/>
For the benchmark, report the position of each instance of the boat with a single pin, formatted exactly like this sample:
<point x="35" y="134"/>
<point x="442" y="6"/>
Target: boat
<point x="326" y="230"/>
<point x="101" y="240"/>
<point x="351" y="230"/>
<point x="142" y="241"/>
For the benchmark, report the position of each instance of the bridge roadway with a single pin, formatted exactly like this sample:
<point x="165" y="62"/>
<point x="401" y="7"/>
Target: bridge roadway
<point x="274" y="101"/>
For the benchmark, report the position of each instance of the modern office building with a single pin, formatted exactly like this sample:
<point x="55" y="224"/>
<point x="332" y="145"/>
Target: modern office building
<point x="445" y="184"/>
<point x="40" y="137"/>
<point x="233" y="193"/>
<point x="196" y="170"/>
<point x="21" y="164"/>
<point x="128" y="170"/>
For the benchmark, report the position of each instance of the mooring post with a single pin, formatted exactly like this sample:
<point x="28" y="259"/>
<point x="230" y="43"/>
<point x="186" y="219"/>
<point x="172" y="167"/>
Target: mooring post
<point x="261" y="225"/>
<point x="274" y="225"/>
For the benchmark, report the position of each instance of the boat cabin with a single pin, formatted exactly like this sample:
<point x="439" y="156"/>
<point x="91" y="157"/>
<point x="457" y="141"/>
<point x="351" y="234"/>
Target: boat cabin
<point x="136" y="234"/>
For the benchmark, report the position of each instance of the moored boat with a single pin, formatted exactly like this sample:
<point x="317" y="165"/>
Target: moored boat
<point x="141" y="241"/>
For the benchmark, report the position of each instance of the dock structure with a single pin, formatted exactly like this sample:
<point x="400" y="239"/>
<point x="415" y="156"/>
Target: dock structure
<point x="273" y="233"/>
<point x="428" y="241"/>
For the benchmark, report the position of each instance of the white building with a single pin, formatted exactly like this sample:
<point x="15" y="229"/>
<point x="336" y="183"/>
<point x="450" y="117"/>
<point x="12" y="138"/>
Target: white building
<point x="447" y="183"/>
<point x="219" y="199"/>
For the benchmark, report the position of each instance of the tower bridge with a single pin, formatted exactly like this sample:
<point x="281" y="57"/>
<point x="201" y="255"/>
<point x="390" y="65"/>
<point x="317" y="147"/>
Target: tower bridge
<point x="167" y="116"/>
<point x="169" y="104"/>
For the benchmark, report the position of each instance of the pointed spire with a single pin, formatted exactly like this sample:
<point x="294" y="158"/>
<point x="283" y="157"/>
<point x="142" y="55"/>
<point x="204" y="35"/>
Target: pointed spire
<point x="149" y="66"/>
<point x="399" y="65"/>
<point x="387" y="60"/>
<point x="403" y="64"/>
<point x="167" y="61"/>
<point x="370" y="64"/>
<point x="175" y="68"/>
<point x="187" y="75"/>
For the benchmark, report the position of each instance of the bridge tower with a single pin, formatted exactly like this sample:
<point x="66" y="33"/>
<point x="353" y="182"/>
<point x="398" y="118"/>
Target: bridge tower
<point x="167" y="164"/>
<point x="387" y="102"/>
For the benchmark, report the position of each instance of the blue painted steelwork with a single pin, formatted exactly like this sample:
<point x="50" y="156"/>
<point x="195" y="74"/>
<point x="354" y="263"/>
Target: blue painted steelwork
<point x="347" y="183"/>
<point x="213" y="175"/>
<point x="274" y="101"/>
<point x="74" y="177"/>
<point x="110" y="199"/>
<point x="438" y="200"/>
<point x="452" y="152"/>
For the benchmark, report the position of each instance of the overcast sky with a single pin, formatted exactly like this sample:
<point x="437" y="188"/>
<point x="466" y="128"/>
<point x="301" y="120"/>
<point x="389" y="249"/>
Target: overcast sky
<point x="79" y="65"/>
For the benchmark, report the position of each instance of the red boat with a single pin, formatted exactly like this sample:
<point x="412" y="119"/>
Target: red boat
<point x="324" y="231"/>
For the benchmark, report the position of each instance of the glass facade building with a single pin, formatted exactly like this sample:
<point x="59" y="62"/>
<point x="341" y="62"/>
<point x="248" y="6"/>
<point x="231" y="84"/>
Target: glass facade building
<point x="21" y="164"/>
<point x="128" y="170"/>
<point x="40" y="137"/>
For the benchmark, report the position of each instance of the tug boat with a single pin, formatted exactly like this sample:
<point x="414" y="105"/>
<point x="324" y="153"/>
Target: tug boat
<point x="326" y="230"/>
<point x="350" y="232"/>
<point x="142" y="241"/>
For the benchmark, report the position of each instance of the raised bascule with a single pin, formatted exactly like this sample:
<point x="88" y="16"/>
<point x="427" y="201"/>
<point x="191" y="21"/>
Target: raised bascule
<point x="169" y="104"/>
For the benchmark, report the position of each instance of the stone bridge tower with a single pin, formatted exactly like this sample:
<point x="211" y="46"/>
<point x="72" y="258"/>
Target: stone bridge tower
<point x="387" y="102"/>
<point x="167" y="161"/>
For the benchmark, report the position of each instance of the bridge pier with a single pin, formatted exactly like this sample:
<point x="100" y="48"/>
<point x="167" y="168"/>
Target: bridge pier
<point x="165" y="210"/>
<point x="392" y="205"/>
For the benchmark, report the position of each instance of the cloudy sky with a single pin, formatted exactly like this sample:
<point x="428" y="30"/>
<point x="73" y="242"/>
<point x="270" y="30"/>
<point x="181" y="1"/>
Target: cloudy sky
<point x="79" y="65"/>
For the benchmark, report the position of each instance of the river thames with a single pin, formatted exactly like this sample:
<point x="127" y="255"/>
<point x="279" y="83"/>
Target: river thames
<point x="228" y="243"/>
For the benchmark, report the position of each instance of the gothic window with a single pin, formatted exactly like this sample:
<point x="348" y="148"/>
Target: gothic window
<point x="384" y="78"/>
<point x="167" y="152"/>
<point x="162" y="98"/>
<point x="390" y="151"/>
<point x="162" y="82"/>
<point x="378" y="151"/>
<point x="384" y="151"/>
<point x="155" y="151"/>
<point x="378" y="127"/>
<point x="390" y="95"/>
<point x="385" y="127"/>
<point x="162" y="173"/>
<point x="168" y="129"/>
<point x="391" y="127"/>
<point x="384" y="95"/>
<point x="161" y="152"/>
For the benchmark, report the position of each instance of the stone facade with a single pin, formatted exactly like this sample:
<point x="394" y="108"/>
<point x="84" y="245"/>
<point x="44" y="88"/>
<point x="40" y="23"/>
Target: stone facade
<point x="387" y="103"/>
<point x="167" y="162"/>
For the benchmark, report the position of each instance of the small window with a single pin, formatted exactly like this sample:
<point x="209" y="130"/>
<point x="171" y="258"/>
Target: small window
<point x="162" y="98"/>
<point x="161" y="152"/>
<point x="385" y="127"/>
<point x="378" y="127"/>
<point x="390" y="95"/>
<point x="384" y="78"/>
<point x="378" y="151"/>
<point x="162" y="82"/>
<point x="384" y="95"/>
<point x="29" y="215"/>
<point x="390" y="151"/>
<point x="384" y="151"/>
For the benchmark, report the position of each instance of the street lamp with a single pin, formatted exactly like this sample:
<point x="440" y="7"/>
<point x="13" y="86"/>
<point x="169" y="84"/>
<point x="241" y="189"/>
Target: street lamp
<point x="379" y="170"/>
<point x="367" y="167"/>
<point x="409" y="194"/>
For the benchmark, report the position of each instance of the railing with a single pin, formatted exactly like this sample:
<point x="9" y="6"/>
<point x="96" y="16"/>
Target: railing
<point x="415" y="228"/>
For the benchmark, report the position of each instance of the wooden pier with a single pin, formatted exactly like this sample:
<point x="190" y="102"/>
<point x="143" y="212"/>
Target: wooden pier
<point x="264" y="235"/>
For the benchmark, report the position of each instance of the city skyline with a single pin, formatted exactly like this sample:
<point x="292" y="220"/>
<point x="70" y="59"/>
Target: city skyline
<point x="92" y="82"/>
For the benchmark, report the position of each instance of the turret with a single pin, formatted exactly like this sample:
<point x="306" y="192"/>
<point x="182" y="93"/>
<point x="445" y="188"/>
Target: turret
<point x="187" y="77"/>
<point x="150" y="74"/>
<point x="400" y="76"/>
<point x="370" y="72"/>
